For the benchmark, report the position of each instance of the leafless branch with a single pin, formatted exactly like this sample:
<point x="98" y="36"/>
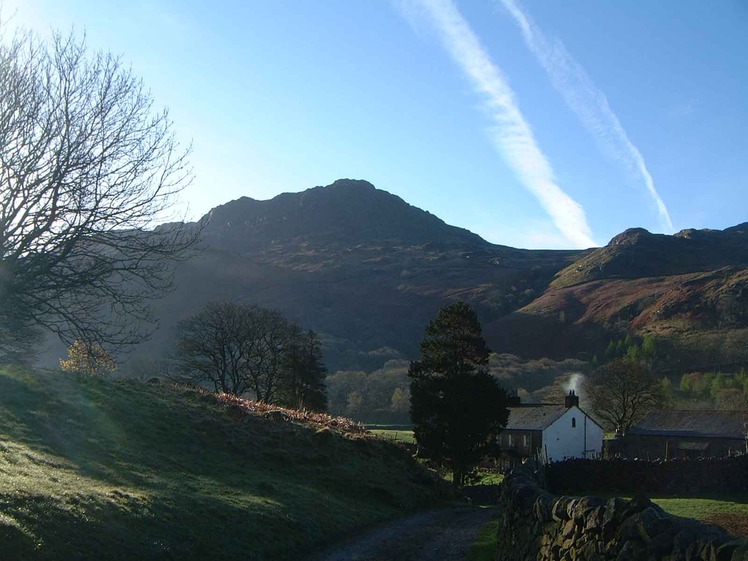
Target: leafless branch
<point x="88" y="170"/>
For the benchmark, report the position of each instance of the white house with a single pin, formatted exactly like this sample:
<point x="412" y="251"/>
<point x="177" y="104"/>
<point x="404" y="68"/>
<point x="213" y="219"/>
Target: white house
<point x="551" y="432"/>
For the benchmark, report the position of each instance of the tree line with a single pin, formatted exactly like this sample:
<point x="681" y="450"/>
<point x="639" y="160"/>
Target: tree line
<point x="381" y="396"/>
<point x="234" y="348"/>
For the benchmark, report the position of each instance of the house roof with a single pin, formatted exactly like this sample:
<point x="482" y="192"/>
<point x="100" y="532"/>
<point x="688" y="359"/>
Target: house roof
<point x="534" y="417"/>
<point x="724" y="424"/>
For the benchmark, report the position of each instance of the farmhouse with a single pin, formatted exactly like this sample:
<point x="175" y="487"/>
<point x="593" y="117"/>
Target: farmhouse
<point x="687" y="434"/>
<point x="551" y="432"/>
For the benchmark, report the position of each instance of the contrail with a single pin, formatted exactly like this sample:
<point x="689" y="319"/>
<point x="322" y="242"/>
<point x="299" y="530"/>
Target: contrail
<point x="510" y="133"/>
<point x="587" y="101"/>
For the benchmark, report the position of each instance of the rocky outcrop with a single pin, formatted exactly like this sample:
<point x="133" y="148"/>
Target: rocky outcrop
<point x="539" y="526"/>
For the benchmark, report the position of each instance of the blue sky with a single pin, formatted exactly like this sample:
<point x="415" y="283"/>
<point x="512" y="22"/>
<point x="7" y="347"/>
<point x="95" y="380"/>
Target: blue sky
<point x="533" y="123"/>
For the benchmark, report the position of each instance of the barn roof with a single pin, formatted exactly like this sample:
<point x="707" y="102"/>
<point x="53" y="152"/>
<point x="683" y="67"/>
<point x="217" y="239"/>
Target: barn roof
<point x="534" y="417"/>
<point x="724" y="424"/>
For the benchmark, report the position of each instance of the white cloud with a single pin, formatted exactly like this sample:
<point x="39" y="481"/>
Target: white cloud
<point x="587" y="101"/>
<point x="510" y="133"/>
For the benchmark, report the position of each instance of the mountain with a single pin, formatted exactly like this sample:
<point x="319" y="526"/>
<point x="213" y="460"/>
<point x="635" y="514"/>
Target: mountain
<point x="690" y="290"/>
<point x="356" y="264"/>
<point x="368" y="271"/>
<point x="637" y="253"/>
<point x="348" y="211"/>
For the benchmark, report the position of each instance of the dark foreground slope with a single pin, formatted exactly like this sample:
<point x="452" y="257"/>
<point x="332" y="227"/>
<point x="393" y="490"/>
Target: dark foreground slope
<point x="93" y="469"/>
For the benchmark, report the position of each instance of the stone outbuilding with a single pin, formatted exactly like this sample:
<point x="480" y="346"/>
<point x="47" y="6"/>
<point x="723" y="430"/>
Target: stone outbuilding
<point x="551" y="432"/>
<point x="668" y="434"/>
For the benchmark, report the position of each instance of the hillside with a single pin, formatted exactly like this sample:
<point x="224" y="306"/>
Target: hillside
<point x="95" y="469"/>
<point x="637" y="253"/>
<point x="368" y="271"/>
<point x="690" y="289"/>
<point x="357" y="264"/>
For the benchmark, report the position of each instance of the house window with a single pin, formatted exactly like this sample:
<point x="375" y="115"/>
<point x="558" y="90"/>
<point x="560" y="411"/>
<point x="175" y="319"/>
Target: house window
<point x="573" y="422"/>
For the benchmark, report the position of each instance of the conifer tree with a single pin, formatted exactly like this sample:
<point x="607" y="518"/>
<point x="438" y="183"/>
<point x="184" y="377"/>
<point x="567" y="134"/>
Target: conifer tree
<point x="303" y="384"/>
<point x="457" y="407"/>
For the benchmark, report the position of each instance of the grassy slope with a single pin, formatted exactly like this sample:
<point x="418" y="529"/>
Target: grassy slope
<point x="93" y="469"/>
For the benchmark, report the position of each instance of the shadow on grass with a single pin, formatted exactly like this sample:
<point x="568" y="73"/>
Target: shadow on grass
<point x="160" y="530"/>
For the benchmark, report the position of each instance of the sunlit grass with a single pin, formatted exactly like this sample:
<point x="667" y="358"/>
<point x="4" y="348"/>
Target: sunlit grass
<point x="701" y="508"/>
<point x="487" y="477"/>
<point x="730" y="513"/>
<point x="395" y="435"/>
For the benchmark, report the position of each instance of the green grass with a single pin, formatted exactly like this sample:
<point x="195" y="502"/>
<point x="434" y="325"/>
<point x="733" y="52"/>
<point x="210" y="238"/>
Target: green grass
<point x="95" y="469"/>
<point x="395" y="435"/>
<point x="487" y="477"/>
<point x="730" y="513"/>
<point x="485" y="546"/>
<point x="703" y="508"/>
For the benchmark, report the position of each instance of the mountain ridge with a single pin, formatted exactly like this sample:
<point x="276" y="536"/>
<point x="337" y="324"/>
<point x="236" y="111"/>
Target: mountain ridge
<point x="638" y="253"/>
<point x="368" y="271"/>
<point x="352" y="207"/>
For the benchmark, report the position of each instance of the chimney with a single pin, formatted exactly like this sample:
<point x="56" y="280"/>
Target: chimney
<point x="571" y="400"/>
<point x="514" y="399"/>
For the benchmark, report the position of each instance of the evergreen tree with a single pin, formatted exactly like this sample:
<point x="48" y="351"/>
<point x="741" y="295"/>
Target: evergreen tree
<point x="649" y="348"/>
<point x="457" y="407"/>
<point x="304" y="373"/>
<point x="610" y="351"/>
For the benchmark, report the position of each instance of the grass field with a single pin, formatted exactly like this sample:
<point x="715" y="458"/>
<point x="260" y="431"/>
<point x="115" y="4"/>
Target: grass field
<point x="395" y="435"/>
<point x="731" y="514"/>
<point x="95" y="469"/>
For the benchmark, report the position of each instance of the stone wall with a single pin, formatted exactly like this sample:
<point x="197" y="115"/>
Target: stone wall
<point x="538" y="526"/>
<point x="675" y="477"/>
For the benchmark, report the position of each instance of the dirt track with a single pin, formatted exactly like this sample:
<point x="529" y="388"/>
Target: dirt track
<point x="438" y="535"/>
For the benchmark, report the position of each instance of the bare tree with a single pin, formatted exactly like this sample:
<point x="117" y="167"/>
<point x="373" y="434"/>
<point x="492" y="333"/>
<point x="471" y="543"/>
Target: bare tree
<point x="243" y="349"/>
<point x="213" y="347"/>
<point x="270" y="338"/>
<point x="621" y="392"/>
<point x="87" y="171"/>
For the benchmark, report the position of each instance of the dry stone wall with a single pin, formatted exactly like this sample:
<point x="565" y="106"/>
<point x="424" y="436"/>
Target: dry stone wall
<point x="539" y="526"/>
<point x="680" y="477"/>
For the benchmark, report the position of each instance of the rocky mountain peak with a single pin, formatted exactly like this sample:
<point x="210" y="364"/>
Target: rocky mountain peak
<point x="348" y="212"/>
<point x="630" y="237"/>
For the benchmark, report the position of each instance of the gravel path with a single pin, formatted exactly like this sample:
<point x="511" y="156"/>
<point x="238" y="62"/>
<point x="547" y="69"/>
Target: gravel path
<point x="438" y="535"/>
